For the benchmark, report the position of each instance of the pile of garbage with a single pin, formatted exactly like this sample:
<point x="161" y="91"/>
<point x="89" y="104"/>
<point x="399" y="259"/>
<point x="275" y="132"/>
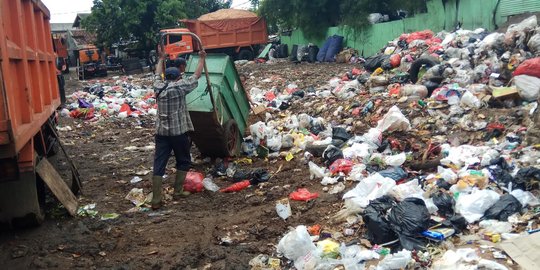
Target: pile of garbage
<point x="118" y="97"/>
<point x="441" y="133"/>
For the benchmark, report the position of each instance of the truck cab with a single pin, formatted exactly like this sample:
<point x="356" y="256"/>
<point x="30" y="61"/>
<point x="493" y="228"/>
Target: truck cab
<point x="176" y="46"/>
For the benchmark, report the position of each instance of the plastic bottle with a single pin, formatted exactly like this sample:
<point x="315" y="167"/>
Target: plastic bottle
<point x="209" y="184"/>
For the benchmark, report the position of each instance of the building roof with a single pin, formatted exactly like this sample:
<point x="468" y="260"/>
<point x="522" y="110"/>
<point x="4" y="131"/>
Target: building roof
<point x="78" y="18"/>
<point x="61" y="27"/>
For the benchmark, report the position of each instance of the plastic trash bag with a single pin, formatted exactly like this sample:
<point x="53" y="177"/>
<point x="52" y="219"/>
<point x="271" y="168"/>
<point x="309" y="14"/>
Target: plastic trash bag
<point x="283" y="209"/>
<point x="341" y="166"/>
<point x="468" y="100"/>
<point x="353" y="257"/>
<point x="495" y="226"/>
<point x="194" y="182"/>
<point x="369" y="189"/>
<point x="408" y="219"/>
<point x="525" y="198"/>
<point x="529" y="67"/>
<point x="331" y="154"/>
<point x="406" y="190"/>
<point x="298" y="247"/>
<point x="339" y="133"/>
<point x="396" y="173"/>
<point x="502" y="209"/>
<point x="360" y="151"/>
<point x="444" y="202"/>
<point x="303" y="194"/>
<point x="473" y="206"/>
<point x="395" y="160"/>
<point x="524" y="176"/>
<point x="394" y="120"/>
<point x="414" y="90"/>
<point x="528" y="87"/>
<point x="377" y="225"/>
<point x="374" y="136"/>
<point x="316" y="171"/>
<point x="534" y="43"/>
<point x="398" y="260"/>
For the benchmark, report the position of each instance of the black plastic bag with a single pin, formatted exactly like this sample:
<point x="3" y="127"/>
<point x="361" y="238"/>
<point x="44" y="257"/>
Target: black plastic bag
<point x="501" y="176"/>
<point x="445" y="203"/>
<point x="524" y="177"/>
<point x="443" y="184"/>
<point x="502" y="209"/>
<point x="396" y="173"/>
<point x="408" y="219"/>
<point x="458" y="222"/>
<point x="363" y="78"/>
<point x="331" y="154"/>
<point x="374" y="62"/>
<point x="340" y="133"/>
<point x="378" y="228"/>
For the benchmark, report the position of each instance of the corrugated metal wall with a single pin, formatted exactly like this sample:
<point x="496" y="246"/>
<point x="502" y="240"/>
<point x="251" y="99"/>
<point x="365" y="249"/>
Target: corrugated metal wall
<point x="514" y="7"/>
<point x="471" y="14"/>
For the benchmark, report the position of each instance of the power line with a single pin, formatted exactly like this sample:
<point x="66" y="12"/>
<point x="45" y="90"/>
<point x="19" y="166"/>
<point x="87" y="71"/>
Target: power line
<point x="241" y="4"/>
<point x="71" y="12"/>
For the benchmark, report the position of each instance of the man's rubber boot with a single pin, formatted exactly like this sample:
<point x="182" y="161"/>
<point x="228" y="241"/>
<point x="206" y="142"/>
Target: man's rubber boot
<point x="179" y="185"/>
<point x="157" y="181"/>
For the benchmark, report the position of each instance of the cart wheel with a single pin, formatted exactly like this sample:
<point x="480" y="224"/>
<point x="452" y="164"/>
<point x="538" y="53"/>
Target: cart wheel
<point x="232" y="135"/>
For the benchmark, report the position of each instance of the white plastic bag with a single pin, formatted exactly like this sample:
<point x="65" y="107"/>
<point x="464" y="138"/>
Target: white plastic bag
<point x="374" y="136"/>
<point x="357" y="172"/>
<point x="447" y="174"/>
<point x="468" y="100"/>
<point x="258" y="130"/>
<point x="351" y="256"/>
<point x="398" y="260"/>
<point x="395" y="160"/>
<point x="414" y="90"/>
<point x="283" y="209"/>
<point x="360" y="151"/>
<point x="274" y="143"/>
<point x="526" y="198"/>
<point x="472" y="206"/>
<point x="298" y="247"/>
<point x="371" y="188"/>
<point x="406" y="190"/>
<point x="394" y="120"/>
<point x="316" y="171"/>
<point x="534" y="43"/>
<point x="495" y="226"/>
<point x="528" y="87"/>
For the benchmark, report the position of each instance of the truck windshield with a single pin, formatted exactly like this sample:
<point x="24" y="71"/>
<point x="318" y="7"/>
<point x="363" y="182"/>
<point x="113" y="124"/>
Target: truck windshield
<point x="174" y="39"/>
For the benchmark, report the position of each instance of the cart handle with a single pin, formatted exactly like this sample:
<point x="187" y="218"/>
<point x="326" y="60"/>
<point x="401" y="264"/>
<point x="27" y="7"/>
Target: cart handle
<point x="179" y="34"/>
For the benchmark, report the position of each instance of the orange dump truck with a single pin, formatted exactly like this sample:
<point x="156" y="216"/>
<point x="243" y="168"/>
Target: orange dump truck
<point x="29" y="96"/>
<point x="238" y="33"/>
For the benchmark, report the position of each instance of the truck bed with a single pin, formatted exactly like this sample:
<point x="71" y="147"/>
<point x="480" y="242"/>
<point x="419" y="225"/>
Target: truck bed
<point x="242" y="32"/>
<point x="28" y="86"/>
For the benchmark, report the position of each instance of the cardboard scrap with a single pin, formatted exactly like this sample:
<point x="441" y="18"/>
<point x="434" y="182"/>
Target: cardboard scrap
<point x="524" y="250"/>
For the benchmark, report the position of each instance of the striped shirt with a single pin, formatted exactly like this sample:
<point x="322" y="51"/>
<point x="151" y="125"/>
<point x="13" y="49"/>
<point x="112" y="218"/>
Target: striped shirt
<point x="172" y="115"/>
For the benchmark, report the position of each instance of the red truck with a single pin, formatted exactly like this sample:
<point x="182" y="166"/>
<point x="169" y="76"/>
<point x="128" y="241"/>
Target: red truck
<point x="29" y="97"/>
<point x="238" y="33"/>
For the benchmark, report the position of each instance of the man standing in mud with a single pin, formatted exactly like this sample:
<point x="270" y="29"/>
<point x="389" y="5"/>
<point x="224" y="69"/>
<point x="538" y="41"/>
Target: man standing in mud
<point x="172" y="127"/>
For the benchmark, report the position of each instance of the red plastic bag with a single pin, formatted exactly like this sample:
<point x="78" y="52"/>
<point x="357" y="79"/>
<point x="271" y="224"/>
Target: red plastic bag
<point x="529" y="67"/>
<point x="356" y="71"/>
<point x="125" y="108"/>
<point x="269" y="96"/>
<point x="420" y="35"/>
<point x="82" y="113"/>
<point x="236" y="186"/>
<point x="395" y="60"/>
<point x="193" y="182"/>
<point x="302" y="194"/>
<point x="341" y="165"/>
<point x="394" y="89"/>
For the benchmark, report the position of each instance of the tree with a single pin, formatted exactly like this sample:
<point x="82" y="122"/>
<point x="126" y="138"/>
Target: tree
<point x="116" y="21"/>
<point x="316" y="15"/>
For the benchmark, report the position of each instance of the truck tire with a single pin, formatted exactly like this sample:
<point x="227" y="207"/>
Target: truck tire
<point x="231" y="140"/>
<point x="245" y="54"/>
<point x="417" y="65"/>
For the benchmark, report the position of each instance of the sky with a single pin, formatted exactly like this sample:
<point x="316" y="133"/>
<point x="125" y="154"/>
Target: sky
<point x="63" y="11"/>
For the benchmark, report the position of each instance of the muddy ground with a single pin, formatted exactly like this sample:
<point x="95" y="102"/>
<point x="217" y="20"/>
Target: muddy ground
<point x="204" y="231"/>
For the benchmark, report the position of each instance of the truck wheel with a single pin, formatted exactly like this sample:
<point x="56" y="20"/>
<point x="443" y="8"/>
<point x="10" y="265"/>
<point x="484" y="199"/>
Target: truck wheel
<point x="284" y="51"/>
<point x="245" y="54"/>
<point x="232" y="139"/>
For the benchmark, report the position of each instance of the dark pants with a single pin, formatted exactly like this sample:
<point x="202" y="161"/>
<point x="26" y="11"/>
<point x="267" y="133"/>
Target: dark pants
<point x="164" y="145"/>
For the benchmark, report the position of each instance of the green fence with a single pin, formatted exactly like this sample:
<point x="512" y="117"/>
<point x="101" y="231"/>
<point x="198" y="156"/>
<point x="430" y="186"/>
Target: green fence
<point x="471" y="14"/>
